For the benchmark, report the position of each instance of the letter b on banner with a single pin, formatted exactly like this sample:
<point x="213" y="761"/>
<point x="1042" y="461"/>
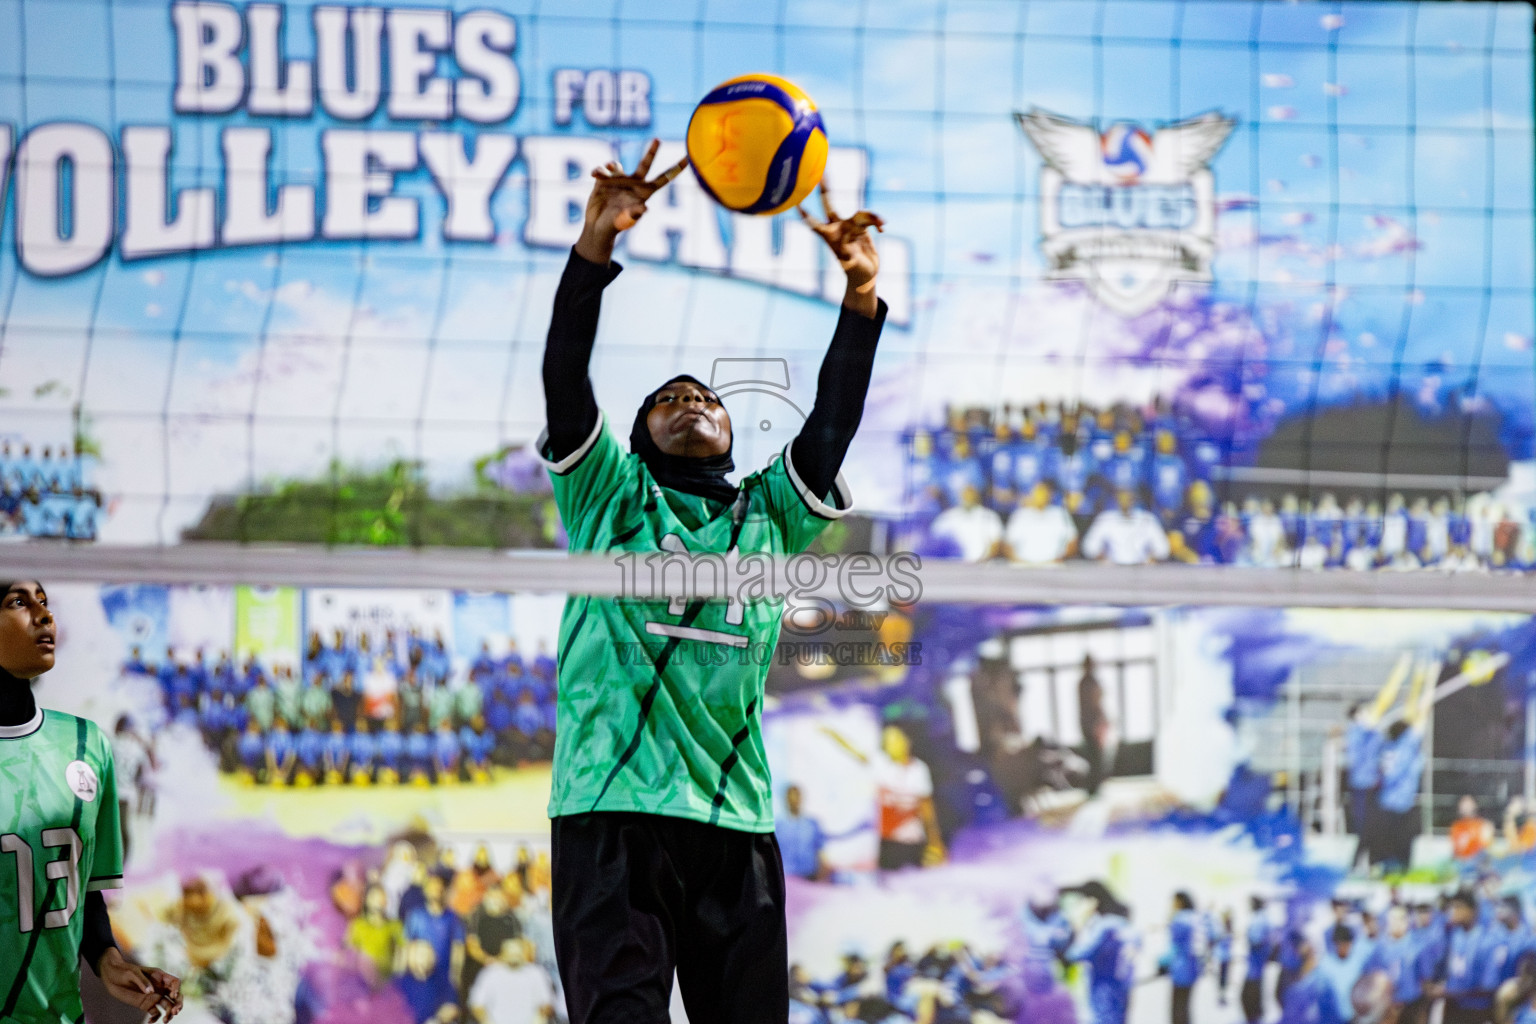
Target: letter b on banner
<point x="209" y="76"/>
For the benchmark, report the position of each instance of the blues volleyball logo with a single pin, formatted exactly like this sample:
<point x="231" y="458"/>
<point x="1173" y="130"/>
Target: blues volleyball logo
<point x="1125" y="212"/>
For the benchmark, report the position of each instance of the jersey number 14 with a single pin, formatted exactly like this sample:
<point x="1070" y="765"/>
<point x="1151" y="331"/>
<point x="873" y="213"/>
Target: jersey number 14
<point x="734" y="610"/>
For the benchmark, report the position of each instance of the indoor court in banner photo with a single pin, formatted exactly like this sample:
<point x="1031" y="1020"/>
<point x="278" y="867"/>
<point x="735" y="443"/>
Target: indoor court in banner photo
<point x="729" y="512"/>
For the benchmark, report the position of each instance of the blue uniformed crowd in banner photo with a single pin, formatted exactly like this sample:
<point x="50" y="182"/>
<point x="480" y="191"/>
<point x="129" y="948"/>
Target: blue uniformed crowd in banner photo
<point x="1128" y="485"/>
<point x="46" y="491"/>
<point x="358" y="712"/>
<point x="1463" y="952"/>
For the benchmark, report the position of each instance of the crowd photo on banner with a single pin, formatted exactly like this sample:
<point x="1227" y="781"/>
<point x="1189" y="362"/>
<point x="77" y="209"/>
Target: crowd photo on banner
<point x="359" y="715"/>
<point x="47" y="494"/>
<point x="1017" y="826"/>
<point x="1129" y="486"/>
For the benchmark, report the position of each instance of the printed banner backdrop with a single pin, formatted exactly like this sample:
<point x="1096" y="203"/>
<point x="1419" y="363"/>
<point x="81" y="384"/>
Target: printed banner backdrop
<point x="1260" y="271"/>
<point x="481" y="619"/>
<point x="961" y="824"/>
<point x="267" y="624"/>
<point x="377" y="613"/>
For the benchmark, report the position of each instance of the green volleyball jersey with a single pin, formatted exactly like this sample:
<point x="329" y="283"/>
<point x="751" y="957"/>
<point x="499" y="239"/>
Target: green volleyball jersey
<point x="661" y="701"/>
<point x="59" y="839"/>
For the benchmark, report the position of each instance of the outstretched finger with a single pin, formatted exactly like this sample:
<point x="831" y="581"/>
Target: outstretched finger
<point x="826" y="205"/>
<point x="644" y="167"/>
<point x="826" y="232"/>
<point x="820" y="227"/>
<point x="667" y="176"/>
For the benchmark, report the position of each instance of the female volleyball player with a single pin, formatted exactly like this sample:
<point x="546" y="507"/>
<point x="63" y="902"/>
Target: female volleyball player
<point x="664" y="854"/>
<point x="60" y="843"/>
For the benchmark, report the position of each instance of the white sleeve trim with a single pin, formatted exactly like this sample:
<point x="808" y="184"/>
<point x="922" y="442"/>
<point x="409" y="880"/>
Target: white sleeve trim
<point x="840" y="495"/>
<point x="568" y="463"/>
<point x="99" y="884"/>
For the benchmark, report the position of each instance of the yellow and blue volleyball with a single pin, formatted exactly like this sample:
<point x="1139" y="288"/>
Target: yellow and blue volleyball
<point x="757" y="145"/>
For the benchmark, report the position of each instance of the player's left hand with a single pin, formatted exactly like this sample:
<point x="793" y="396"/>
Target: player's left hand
<point x="933" y="855"/>
<point x="151" y="990"/>
<point x="849" y="241"/>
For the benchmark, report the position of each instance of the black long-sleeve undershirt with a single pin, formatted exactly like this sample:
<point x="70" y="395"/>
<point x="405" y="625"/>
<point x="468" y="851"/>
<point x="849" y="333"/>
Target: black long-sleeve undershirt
<point x="570" y="408"/>
<point x="96" y="937"/>
<point x="818" y="450"/>
<point x="17" y="707"/>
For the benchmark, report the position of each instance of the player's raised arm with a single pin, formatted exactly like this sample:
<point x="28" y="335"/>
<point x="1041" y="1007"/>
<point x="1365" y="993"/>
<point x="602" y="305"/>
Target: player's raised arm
<point x="817" y="453"/>
<point x="617" y="202"/>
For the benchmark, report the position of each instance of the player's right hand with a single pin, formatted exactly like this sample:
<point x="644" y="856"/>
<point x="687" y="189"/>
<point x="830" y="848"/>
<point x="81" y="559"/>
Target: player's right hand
<point x="153" y="991"/>
<point x="618" y="199"/>
<point x="168" y="986"/>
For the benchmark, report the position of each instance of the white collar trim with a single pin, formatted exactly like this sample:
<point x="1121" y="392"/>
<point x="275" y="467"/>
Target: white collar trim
<point x="16" y="732"/>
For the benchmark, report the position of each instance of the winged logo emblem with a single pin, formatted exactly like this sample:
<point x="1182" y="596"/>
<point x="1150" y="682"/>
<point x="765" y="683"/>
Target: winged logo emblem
<point x="1127" y="212"/>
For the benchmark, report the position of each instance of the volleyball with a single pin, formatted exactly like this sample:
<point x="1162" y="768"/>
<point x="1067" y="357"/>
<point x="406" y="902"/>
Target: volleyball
<point x="1127" y="151"/>
<point x="757" y="145"/>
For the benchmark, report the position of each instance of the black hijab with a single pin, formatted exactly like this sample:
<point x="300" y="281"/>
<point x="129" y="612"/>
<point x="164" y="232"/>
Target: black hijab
<point x="16" y="704"/>
<point x="701" y="475"/>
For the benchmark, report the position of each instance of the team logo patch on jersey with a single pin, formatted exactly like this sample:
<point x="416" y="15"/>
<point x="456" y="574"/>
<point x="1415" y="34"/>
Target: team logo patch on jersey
<point x="1126" y="212"/>
<point x="82" y="780"/>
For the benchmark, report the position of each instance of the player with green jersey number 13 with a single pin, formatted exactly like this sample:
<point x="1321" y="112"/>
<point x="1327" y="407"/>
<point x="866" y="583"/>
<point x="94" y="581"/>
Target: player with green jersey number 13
<point x="60" y="843"/>
<point x="664" y="853"/>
